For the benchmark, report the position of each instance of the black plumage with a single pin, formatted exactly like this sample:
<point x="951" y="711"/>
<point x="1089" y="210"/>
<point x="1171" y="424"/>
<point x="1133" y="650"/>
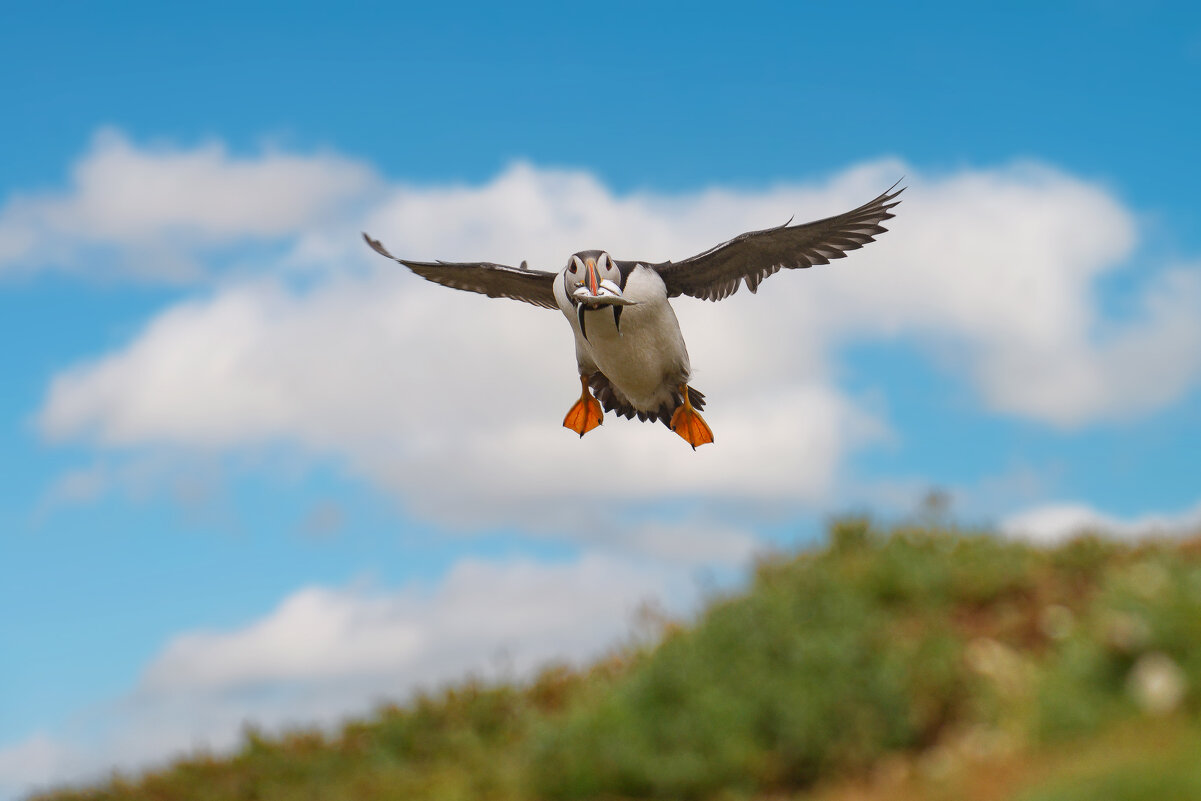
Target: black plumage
<point x="715" y="274"/>
<point x="751" y="257"/>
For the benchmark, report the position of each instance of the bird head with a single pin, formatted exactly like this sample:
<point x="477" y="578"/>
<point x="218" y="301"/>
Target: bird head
<point x="592" y="278"/>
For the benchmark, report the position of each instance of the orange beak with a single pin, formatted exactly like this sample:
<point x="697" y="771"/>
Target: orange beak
<point x="593" y="284"/>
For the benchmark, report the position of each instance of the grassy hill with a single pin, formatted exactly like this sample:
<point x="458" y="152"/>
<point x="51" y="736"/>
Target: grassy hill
<point x="905" y="664"/>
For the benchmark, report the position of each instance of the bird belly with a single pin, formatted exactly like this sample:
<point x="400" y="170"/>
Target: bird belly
<point x="645" y="358"/>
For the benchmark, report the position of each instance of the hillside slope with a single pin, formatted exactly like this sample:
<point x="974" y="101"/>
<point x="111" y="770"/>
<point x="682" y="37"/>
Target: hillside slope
<point x="902" y="664"/>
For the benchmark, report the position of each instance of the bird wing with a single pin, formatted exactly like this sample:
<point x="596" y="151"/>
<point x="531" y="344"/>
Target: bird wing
<point x="753" y="256"/>
<point x="493" y="280"/>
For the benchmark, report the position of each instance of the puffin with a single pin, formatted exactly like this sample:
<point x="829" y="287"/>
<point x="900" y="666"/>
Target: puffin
<point x="629" y="350"/>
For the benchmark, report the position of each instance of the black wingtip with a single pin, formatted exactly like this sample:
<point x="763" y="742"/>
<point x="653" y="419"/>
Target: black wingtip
<point x="375" y="245"/>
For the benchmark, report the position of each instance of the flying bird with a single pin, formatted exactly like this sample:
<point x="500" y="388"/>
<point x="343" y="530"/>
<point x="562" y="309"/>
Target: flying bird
<point x="631" y="355"/>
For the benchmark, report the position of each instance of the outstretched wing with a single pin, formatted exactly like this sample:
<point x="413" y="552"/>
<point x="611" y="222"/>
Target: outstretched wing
<point x="493" y="280"/>
<point x="753" y="256"/>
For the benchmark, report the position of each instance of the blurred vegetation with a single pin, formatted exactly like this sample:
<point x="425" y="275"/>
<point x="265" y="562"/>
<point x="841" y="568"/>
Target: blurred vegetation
<point x="912" y="663"/>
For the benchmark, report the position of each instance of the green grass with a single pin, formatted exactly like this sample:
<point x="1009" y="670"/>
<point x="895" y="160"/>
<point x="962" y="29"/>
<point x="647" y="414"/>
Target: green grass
<point x="1165" y="769"/>
<point x="884" y="648"/>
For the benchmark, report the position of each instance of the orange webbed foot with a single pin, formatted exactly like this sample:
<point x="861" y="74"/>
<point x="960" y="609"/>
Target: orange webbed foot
<point x="586" y="414"/>
<point x="688" y="423"/>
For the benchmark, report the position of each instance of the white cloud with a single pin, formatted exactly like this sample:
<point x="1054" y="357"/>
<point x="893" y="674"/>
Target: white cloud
<point x="996" y="273"/>
<point x="1057" y="522"/>
<point x="324" y="653"/>
<point x="460" y="422"/>
<point x="145" y="211"/>
<point x="36" y="761"/>
<point x="453" y="401"/>
<point x="531" y="611"/>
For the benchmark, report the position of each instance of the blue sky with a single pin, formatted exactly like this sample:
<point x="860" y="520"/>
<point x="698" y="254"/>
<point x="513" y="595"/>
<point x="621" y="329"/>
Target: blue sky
<point x="247" y="472"/>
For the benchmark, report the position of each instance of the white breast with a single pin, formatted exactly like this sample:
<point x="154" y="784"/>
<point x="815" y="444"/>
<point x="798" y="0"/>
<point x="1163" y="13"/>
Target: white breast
<point x="645" y="359"/>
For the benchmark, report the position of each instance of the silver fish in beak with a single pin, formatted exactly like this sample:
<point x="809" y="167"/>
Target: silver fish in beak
<point x="607" y="294"/>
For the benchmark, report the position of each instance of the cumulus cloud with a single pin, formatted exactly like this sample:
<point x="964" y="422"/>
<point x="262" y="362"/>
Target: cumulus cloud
<point x="441" y="397"/>
<point x="1057" y="522"/>
<point x="440" y="404"/>
<point x="35" y="761"/>
<point x="149" y="211"/>
<point x="529" y="610"/>
<point x="325" y="652"/>
<point x="996" y="273"/>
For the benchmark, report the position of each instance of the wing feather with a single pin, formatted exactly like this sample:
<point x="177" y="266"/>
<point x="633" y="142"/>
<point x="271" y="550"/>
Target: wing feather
<point x="493" y="280"/>
<point x="751" y="257"/>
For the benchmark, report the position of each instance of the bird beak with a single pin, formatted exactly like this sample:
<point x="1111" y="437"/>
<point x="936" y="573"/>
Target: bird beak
<point x="593" y="284"/>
